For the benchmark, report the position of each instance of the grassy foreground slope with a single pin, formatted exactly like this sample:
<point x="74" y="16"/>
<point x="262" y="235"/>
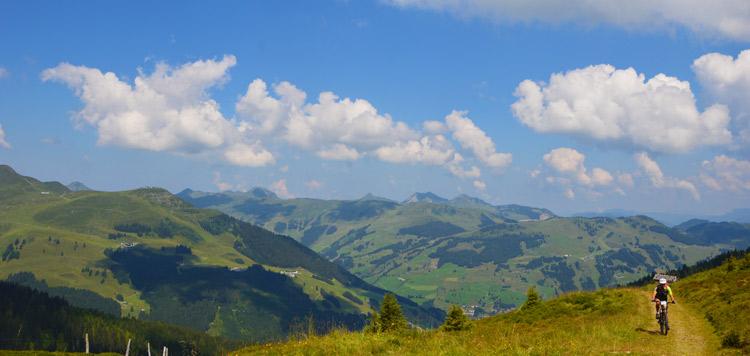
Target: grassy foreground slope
<point x="616" y="321"/>
<point x="723" y="296"/>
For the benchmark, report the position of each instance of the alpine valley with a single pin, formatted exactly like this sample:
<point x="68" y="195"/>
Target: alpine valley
<point x="146" y="253"/>
<point x="465" y="251"/>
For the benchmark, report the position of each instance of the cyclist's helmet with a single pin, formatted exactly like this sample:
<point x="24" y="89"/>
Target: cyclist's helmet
<point x="663" y="281"/>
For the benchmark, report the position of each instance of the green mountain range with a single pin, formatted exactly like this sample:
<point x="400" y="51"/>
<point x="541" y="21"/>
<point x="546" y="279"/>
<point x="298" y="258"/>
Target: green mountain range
<point x="160" y="258"/>
<point x="465" y="251"/>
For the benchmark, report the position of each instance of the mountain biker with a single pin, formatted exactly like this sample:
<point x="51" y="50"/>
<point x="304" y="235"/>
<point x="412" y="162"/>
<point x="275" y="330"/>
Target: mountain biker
<point x="660" y="293"/>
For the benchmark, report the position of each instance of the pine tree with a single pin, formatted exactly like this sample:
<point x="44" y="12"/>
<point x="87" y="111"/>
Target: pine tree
<point x="456" y="320"/>
<point x="390" y="318"/>
<point x="532" y="298"/>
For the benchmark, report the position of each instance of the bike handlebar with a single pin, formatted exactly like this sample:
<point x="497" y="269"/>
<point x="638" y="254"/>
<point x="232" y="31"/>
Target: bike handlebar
<point x="673" y="302"/>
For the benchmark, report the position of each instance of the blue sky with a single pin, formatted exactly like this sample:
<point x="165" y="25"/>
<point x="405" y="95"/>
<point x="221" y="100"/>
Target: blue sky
<point x="570" y="106"/>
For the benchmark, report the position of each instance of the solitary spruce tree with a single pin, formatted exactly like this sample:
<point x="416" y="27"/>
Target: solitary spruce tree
<point x="390" y="318"/>
<point x="456" y="320"/>
<point x="532" y="298"/>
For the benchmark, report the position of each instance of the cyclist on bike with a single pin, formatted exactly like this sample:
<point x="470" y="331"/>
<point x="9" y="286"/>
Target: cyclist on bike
<point x="660" y="293"/>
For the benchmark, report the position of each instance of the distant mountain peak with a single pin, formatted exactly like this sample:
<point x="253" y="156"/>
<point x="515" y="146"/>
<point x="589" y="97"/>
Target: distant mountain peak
<point x="428" y="197"/>
<point x="77" y="186"/>
<point x="466" y="201"/>
<point x="370" y="196"/>
<point x="259" y="192"/>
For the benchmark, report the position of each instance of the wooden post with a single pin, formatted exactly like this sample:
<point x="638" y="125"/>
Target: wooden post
<point x="87" y="342"/>
<point x="164" y="352"/>
<point x="149" y="348"/>
<point x="127" y="351"/>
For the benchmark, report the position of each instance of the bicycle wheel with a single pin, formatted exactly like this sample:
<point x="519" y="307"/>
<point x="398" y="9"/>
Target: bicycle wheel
<point x="663" y="323"/>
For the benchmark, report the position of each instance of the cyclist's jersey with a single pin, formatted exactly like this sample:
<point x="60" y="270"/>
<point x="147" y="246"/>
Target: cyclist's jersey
<point x="662" y="293"/>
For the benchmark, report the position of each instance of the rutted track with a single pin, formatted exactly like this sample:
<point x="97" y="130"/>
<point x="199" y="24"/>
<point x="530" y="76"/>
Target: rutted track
<point x="690" y="333"/>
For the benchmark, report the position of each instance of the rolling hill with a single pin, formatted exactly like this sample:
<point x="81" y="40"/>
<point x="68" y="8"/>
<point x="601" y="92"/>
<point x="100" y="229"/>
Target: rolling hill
<point x="471" y="253"/>
<point x="163" y="259"/>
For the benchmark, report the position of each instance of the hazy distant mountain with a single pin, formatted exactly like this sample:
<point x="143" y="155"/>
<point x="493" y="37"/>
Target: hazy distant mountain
<point x="690" y="223"/>
<point x="369" y="196"/>
<point x="259" y="192"/>
<point x="672" y="219"/>
<point x="428" y="197"/>
<point x="736" y="215"/>
<point x="465" y="201"/>
<point x="77" y="187"/>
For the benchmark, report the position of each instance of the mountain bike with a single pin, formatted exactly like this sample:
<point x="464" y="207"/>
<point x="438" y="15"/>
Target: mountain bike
<point x="663" y="317"/>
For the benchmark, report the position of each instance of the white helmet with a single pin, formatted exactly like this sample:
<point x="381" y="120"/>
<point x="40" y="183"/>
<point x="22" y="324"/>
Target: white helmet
<point x="663" y="281"/>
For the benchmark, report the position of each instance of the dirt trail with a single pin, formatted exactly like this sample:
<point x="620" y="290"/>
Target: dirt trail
<point x="690" y="333"/>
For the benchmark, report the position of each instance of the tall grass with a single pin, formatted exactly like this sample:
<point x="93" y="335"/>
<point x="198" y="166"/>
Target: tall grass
<point x="723" y="296"/>
<point x="605" y="322"/>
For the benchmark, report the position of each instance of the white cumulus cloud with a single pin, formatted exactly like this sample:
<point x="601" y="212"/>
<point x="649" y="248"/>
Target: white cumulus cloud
<point x="248" y="155"/>
<point x="434" y="127"/>
<point x="219" y="184"/>
<point x="315" y="126"/>
<point x="619" y="107"/>
<point x="168" y="110"/>
<point x="430" y="150"/>
<point x="3" y="73"/>
<point x="456" y="168"/>
<point x="718" y="18"/>
<point x="473" y="138"/>
<point x="340" y="152"/>
<point x="657" y="178"/>
<point x="314" y="184"/>
<point x="726" y="80"/>
<point x="4" y="143"/>
<point x="626" y="179"/>
<point x="726" y="173"/>
<point x="480" y="185"/>
<point x="570" y="162"/>
<point x="279" y="187"/>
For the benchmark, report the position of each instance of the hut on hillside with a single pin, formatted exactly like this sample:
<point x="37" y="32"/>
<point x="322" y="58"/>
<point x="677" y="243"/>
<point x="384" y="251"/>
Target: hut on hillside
<point x="670" y="279"/>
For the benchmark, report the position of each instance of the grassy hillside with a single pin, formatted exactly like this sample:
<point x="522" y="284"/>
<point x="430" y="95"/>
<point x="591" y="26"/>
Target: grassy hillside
<point x="474" y="254"/>
<point x="723" y="296"/>
<point x="180" y="262"/>
<point x="616" y="321"/>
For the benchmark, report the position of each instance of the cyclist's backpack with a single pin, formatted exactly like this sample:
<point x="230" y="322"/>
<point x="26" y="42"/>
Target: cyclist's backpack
<point x="661" y="290"/>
